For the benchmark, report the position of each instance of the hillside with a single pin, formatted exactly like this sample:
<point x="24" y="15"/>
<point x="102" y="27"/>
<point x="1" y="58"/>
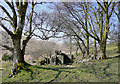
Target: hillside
<point x="93" y="71"/>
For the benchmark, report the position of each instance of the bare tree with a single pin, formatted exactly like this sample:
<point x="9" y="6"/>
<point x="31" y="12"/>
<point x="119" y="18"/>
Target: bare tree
<point x="17" y="21"/>
<point x="24" y="22"/>
<point x="45" y="23"/>
<point x="16" y="32"/>
<point x="68" y="24"/>
<point x="104" y="12"/>
<point x="118" y="15"/>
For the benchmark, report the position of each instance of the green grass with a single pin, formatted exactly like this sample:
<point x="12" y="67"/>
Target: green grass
<point x="94" y="71"/>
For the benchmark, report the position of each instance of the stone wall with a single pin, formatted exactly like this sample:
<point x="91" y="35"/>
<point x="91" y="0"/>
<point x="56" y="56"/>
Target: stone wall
<point x="61" y="59"/>
<point x="58" y="59"/>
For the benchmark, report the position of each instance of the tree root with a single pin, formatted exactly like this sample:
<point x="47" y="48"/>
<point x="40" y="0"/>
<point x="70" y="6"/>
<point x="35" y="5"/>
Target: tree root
<point x="16" y="69"/>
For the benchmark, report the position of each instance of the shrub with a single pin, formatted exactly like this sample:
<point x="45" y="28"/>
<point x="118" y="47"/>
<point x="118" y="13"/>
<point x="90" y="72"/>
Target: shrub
<point x="74" y="60"/>
<point x="33" y="61"/>
<point x="42" y="62"/>
<point x="7" y="57"/>
<point x="53" y="59"/>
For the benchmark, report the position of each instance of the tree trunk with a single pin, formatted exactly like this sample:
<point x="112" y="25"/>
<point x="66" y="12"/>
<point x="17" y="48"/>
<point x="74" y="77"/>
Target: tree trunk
<point x="103" y="50"/>
<point x="87" y="44"/>
<point x="95" y="49"/>
<point x="105" y="35"/>
<point x="76" y="51"/>
<point x="18" y="57"/>
<point x="17" y="54"/>
<point x="83" y="52"/>
<point x="70" y="45"/>
<point x="87" y="35"/>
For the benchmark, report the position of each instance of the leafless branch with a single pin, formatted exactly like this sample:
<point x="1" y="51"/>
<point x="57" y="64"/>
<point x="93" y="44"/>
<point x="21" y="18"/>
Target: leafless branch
<point x="100" y="5"/>
<point x="7" y="47"/>
<point x="5" y="28"/>
<point x="6" y="12"/>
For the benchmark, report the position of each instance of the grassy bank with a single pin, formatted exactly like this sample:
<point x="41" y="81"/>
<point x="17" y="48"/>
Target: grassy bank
<point x="93" y="71"/>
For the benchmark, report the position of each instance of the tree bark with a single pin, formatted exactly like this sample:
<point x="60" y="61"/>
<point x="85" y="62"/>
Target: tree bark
<point x="18" y="57"/>
<point x="83" y="52"/>
<point x="76" y="51"/>
<point x="103" y="50"/>
<point x="106" y="30"/>
<point x="17" y="53"/>
<point x="87" y="35"/>
<point x="95" y="49"/>
<point x="87" y="44"/>
<point x="70" y="45"/>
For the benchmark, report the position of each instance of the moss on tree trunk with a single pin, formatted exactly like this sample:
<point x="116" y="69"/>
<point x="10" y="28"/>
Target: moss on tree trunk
<point x="17" y="53"/>
<point x="103" y="50"/>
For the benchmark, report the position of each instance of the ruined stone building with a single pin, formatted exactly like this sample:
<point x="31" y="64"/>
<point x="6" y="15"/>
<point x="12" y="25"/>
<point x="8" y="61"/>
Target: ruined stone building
<point x="61" y="59"/>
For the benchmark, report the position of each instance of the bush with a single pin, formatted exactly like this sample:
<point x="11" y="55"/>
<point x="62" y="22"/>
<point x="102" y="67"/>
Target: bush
<point x="74" y="60"/>
<point x="33" y="61"/>
<point x="42" y="62"/>
<point x="53" y="59"/>
<point x="7" y="57"/>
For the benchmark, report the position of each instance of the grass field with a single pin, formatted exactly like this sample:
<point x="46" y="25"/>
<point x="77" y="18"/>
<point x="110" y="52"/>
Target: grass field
<point x="93" y="71"/>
